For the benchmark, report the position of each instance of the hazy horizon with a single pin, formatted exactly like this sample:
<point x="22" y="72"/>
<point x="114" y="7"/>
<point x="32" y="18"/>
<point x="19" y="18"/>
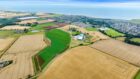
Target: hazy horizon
<point x="120" y="9"/>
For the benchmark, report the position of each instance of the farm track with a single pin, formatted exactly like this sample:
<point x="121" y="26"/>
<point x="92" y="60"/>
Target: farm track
<point x="21" y="53"/>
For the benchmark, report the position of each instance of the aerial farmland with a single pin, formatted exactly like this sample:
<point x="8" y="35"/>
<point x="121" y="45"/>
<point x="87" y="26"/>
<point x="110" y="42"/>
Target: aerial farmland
<point x="120" y="50"/>
<point x="40" y="47"/>
<point x="21" y="53"/>
<point x="88" y="63"/>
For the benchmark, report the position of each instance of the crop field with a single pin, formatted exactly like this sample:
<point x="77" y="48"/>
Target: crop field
<point x="14" y="27"/>
<point x="21" y="53"/>
<point x="5" y="42"/>
<point x="127" y="52"/>
<point x="4" y="34"/>
<point x="41" y="26"/>
<point x="88" y="63"/>
<point x="60" y="41"/>
<point x="136" y="40"/>
<point x="113" y="33"/>
<point x="91" y="28"/>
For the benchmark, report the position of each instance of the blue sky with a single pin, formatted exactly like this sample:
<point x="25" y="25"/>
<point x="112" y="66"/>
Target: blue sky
<point x="107" y="0"/>
<point x="81" y="3"/>
<point x="81" y="0"/>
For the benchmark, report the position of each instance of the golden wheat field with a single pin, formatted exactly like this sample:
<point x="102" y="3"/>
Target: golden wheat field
<point x="5" y="42"/>
<point x="21" y="53"/>
<point x="88" y="63"/>
<point x="127" y="52"/>
<point x="14" y="27"/>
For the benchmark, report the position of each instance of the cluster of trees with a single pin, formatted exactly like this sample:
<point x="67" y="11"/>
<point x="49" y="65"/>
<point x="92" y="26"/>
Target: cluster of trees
<point x="8" y="21"/>
<point x="128" y="40"/>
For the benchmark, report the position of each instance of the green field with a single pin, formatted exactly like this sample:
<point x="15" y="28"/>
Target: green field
<point x="113" y="33"/>
<point x="60" y="41"/>
<point x="91" y="29"/>
<point x="137" y="40"/>
<point x="6" y="33"/>
<point x="39" y="19"/>
<point x="41" y="26"/>
<point x="137" y="75"/>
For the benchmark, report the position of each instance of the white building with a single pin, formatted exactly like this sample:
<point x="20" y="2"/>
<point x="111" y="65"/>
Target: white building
<point x="79" y="37"/>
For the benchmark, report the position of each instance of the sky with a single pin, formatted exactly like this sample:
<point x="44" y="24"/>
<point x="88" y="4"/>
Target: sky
<point x="81" y="0"/>
<point x="107" y="0"/>
<point x="81" y="3"/>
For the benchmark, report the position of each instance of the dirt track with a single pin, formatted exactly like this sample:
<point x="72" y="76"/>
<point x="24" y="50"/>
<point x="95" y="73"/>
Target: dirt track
<point x="88" y="63"/>
<point x="21" y="52"/>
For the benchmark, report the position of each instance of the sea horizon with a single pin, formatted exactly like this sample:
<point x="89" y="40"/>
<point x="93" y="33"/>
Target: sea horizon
<point x="92" y="10"/>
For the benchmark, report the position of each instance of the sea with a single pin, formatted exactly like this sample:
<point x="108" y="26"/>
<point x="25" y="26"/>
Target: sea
<point x="70" y="9"/>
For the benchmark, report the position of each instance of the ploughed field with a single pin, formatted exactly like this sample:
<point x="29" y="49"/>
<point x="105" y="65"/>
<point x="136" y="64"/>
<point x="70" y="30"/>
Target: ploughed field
<point x="59" y="42"/>
<point x="88" y="63"/>
<point x="127" y="52"/>
<point x="21" y="53"/>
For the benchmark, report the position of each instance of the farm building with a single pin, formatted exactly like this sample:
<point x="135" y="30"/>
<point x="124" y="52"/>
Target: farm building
<point x="79" y="37"/>
<point x="28" y="18"/>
